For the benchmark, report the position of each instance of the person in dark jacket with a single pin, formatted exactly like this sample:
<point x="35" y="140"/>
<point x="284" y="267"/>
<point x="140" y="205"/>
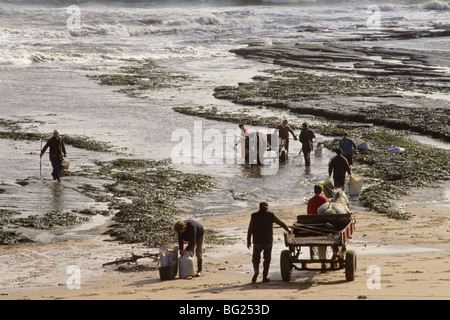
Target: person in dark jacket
<point x="193" y="233"/>
<point x="57" y="153"/>
<point x="283" y="130"/>
<point x="261" y="228"/>
<point x="339" y="167"/>
<point x="306" y="138"/>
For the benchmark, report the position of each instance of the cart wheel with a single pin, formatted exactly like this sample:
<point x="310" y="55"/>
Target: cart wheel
<point x="350" y="265"/>
<point x="285" y="265"/>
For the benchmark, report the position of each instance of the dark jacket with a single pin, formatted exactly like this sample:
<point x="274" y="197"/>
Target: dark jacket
<point x="347" y="145"/>
<point x="261" y="227"/>
<point x="194" y="230"/>
<point x="339" y="166"/>
<point x="57" y="149"/>
<point x="306" y="138"/>
<point x="283" y="131"/>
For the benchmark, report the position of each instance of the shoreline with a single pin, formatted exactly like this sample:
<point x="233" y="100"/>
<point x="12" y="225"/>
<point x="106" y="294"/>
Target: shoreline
<point x="413" y="257"/>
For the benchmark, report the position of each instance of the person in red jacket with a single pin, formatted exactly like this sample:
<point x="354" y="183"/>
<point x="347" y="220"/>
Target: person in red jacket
<point x="315" y="202"/>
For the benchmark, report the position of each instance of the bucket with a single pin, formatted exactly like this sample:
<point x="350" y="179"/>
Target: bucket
<point x="65" y="165"/>
<point x="318" y="150"/>
<point x="167" y="273"/>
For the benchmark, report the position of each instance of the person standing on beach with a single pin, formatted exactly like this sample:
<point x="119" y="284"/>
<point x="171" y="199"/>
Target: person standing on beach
<point x="283" y="132"/>
<point x="339" y="167"/>
<point x="57" y="153"/>
<point x="261" y="229"/>
<point x="347" y="145"/>
<point x="193" y="233"/>
<point x="306" y="138"/>
<point x="315" y="202"/>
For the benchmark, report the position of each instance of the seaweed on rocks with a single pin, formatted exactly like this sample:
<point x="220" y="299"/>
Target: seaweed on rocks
<point x="50" y="220"/>
<point x="301" y="92"/>
<point x="6" y="216"/>
<point x="10" y="237"/>
<point x="144" y="195"/>
<point x="76" y="141"/>
<point x="138" y="80"/>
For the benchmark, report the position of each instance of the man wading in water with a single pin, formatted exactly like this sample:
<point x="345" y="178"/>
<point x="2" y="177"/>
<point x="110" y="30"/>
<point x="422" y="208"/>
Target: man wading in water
<point x="261" y="227"/>
<point x="306" y="138"/>
<point x="57" y="154"/>
<point x="284" y="130"/>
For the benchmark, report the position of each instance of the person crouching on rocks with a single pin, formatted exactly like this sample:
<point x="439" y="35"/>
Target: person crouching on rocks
<point x="193" y="233"/>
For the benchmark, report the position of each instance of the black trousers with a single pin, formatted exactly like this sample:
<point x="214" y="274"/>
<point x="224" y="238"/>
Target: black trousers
<point x="339" y="181"/>
<point x="307" y="156"/>
<point x="349" y="158"/>
<point x="266" y="249"/>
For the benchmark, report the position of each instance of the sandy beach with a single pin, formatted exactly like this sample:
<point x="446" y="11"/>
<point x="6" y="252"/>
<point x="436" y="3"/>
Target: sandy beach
<point x="412" y="258"/>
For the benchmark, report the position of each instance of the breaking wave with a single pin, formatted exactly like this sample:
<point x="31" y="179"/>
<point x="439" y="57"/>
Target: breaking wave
<point x="425" y="4"/>
<point x="436" y="5"/>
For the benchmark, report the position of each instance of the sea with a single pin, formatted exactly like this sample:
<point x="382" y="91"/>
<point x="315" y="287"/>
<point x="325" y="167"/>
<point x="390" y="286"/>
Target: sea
<point x="49" y="47"/>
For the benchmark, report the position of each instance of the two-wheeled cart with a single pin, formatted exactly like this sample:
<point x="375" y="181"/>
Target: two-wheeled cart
<point x="318" y="233"/>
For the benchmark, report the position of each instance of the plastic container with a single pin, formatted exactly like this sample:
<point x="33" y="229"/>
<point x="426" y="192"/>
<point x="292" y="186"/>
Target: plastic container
<point x="361" y="144"/>
<point x="328" y="188"/>
<point x="396" y="150"/>
<point x="187" y="265"/>
<point x="355" y="185"/>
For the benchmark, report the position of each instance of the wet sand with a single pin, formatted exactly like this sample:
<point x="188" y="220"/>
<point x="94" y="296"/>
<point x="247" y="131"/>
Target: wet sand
<point x="412" y="257"/>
